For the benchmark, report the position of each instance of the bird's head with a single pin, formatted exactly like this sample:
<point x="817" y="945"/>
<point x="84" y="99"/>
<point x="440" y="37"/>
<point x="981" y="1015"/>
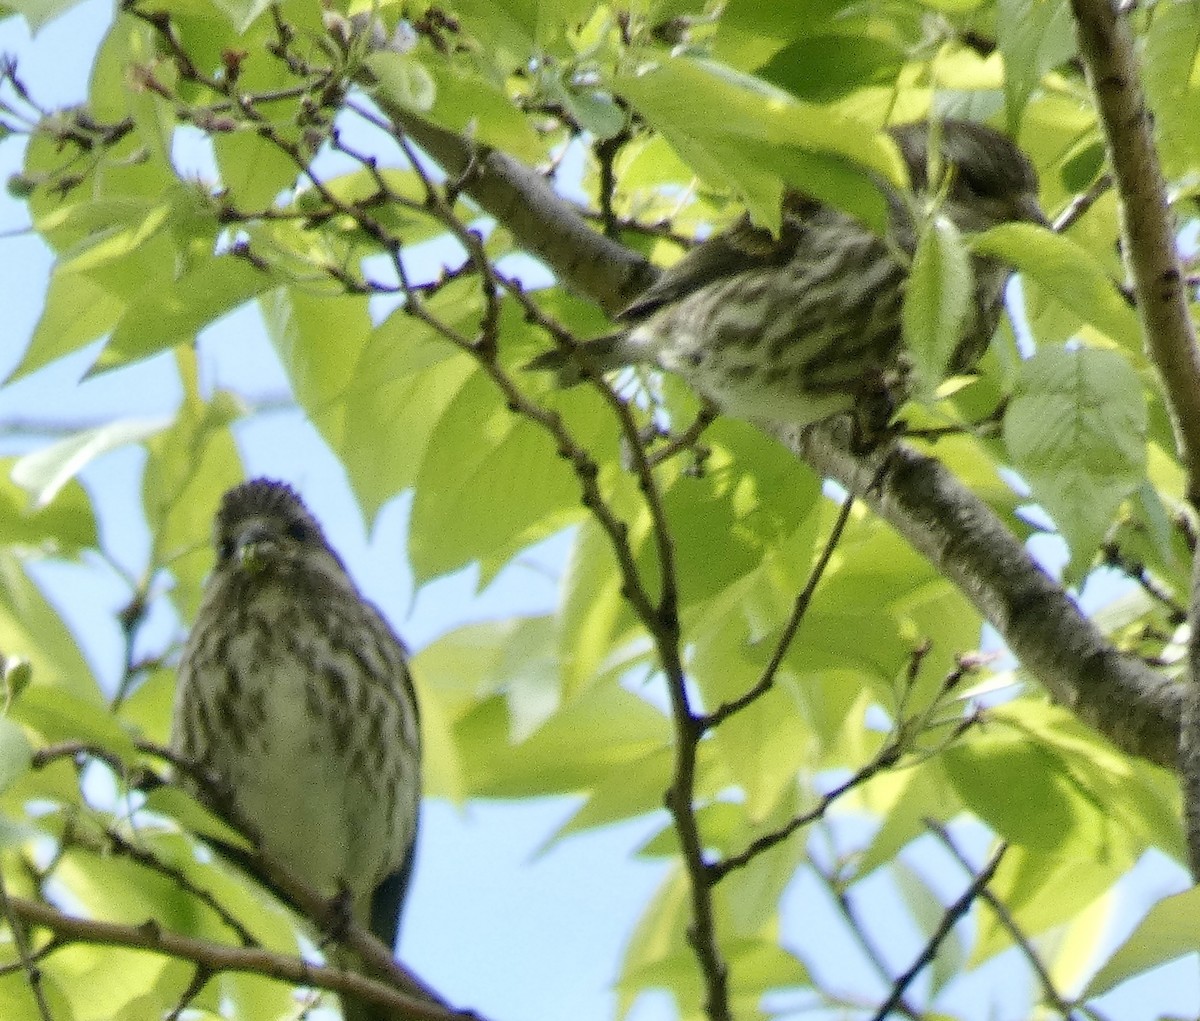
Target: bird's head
<point x="262" y="526"/>
<point x="991" y="181"/>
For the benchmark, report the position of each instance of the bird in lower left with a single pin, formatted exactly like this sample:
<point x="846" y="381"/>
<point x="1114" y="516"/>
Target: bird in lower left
<point x="295" y="697"/>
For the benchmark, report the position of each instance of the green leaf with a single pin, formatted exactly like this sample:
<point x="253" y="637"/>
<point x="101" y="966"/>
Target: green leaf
<point x="1076" y="431"/>
<point x="164" y="316"/>
<point x="254" y="169"/>
<point x="1132" y="804"/>
<point x="1043" y="890"/>
<point x="1067" y="272"/>
<point x="598" y="634"/>
<point x="319" y="338"/>
<point x="171" y="802"/>
<point x="44" y="472"/>
<point x="1040" y="780"/>
<point x="39" y="13"/>
<point x="402" y="382"/>
<point x="188" y="466"/>
<point x="1172" y="49"/>
<point x="760" y="966"/>
<point x="64" y="525"/>
<point x="468" y="103"/>
<point x="147" y="712"/>
<point x="116" y="243"/>
<point x="995" y="775"/>
<point x="510" y="657"/>
<point x="904" y="800"/>
<point x="739" y="132"/>
<point x="824" y="67"/>
<point x="30" y="628"/>
<point x="1034" y="36"/>
<point x="59" y="715"/>
<point x="76" y="312"/>
<point x="15" y="753"/>
<point x="1170" y="930"/>
<point x="631" y="790"/>
<point x="403" y="79"/>
<point x="17" y="1002"/>
<point x="750" y="499"/>
<point x="241" y="13"/>
<point x="937" y="303"/>
<point x="596" y="112"/>
<point x="521" y="29"/>
<point x="599" y="732"/>
<point x="749" y="31"/>
<point x="489" y="485"/>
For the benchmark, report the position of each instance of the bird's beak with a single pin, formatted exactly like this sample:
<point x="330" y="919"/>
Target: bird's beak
<point x="255" y="546"/>
<point x="1030" y="211"/>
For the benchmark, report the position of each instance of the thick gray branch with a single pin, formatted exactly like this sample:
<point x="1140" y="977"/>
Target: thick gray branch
<point x="547" y="226"/>
<point x="1147" y="226"/>
<point x="1134" y="707"/>
<point x="962" y="537"/>
<point x="1106" y="46"/>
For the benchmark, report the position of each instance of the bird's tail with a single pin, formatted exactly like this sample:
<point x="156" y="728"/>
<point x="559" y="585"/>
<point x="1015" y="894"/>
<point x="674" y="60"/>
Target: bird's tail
<point x="387" y="902"/>
<point x="570" y="365"/>
<point x="353" y="1008"/>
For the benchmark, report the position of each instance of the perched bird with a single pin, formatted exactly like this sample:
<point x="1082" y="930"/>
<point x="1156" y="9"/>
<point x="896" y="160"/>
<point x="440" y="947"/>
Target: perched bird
<point x="294" y="695"/>
<point x="799" y="327"/>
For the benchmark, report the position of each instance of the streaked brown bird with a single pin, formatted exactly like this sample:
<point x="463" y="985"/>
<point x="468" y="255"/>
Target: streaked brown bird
<point x="799" y="327"/>
<point x="294" y="695"/>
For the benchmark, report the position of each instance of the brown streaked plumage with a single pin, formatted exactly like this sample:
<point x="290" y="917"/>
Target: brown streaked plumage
<point x="294" y="695"/>
<point x="796" y="328"/>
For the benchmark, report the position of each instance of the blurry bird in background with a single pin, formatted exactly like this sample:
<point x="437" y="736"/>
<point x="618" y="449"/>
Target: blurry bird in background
<point x="294" y="695"/>
<point x="796" y="328"/>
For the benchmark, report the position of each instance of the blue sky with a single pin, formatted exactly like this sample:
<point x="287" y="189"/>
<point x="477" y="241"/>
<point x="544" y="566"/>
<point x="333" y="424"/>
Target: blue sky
<point x="495" y="926"/>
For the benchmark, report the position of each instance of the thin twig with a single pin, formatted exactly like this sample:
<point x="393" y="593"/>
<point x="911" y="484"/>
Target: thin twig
<point x="799" y="608"/>
<point x="953" y="914"/>
<point x="686" y="439"/>
<point x="216" y="958"/>
<point x="199" y="979"/>
<point x="1081" y="203"/>
<point x="28" y="960"/>
<point x="846" y="907"/>
<point x="1004" y="916"/>
<point x="887" y="757"/>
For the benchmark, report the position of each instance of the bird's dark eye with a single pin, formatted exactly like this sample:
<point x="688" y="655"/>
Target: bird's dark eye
<point x="225" y="549"/>
<point x="299" y="531"/>
<point x="983" y="185"/>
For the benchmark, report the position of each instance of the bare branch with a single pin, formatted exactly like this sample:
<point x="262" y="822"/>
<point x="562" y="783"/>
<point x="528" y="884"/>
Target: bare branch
<point x="27" y="958"/>
<point x="214" y="958"/>
<point x="1134" y="707"/>
<point x="953" y="914"/>
<point x="887" y="757"/>
<point x="1049" y="992"/>
<point x="841" y="898"/>
<point x="1107" y="49"/>
<point x="767" y="681"/>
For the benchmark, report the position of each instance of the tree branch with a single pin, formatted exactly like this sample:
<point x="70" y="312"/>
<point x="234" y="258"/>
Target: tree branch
<point x="29" y="961"/>
<point x="1117" y="695"/>
<point x="1005" y="916"/>
<point x="546" y="224"/>
<point x="1147" y="229"/>
<point x="954" y="912"/>
<point x="1107" y="49"/>
<point x="215" y="958"/>
<point x="962" y="537"/>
